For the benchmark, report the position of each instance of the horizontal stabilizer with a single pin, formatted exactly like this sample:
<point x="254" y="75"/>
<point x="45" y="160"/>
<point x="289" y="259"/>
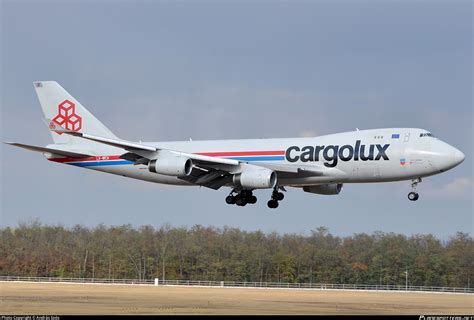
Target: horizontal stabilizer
<point x="49" y="150"/>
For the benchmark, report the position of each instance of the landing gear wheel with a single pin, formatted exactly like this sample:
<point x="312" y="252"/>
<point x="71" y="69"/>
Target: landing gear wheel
<point x="276" y="196"/>
<point x="252" y="200"/>
<point x="240" y="201"/>
<point x="230" y="200"/>
<point x="241" y="197"/>
<point x="246" y="193"/>
<point x="279" y="196"/>
<point x="413" y="196"/>
<point x="272" y="204"/>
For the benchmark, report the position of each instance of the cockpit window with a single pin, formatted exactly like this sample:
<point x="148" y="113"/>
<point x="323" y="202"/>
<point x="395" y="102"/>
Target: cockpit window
<point x="426" y="134"/>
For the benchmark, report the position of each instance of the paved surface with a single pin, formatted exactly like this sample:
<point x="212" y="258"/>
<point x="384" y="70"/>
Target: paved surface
<point x="54" y="298"/>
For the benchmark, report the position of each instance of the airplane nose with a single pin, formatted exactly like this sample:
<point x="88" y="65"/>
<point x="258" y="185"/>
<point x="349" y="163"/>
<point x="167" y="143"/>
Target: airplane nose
<point x="458" y="156"/>
<point x="444" y="156"/>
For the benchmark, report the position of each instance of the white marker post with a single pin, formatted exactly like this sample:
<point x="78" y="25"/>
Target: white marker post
<point x="156" y="282"/>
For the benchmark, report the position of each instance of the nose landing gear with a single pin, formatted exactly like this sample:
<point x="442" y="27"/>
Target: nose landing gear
<point x="276" y="196"/>
<point x="413" y="195"/>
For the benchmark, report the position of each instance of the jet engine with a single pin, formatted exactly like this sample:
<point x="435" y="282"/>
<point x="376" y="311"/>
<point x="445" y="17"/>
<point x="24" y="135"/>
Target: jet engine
<point x="171" y="165"/>
<point x="326" y="189"/>
<point x="255" y="178"/>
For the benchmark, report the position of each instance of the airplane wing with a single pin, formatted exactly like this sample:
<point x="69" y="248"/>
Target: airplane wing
<point x="211" y="172"/>
<point x="143" y="150"/>
<point x="213" y="178"/>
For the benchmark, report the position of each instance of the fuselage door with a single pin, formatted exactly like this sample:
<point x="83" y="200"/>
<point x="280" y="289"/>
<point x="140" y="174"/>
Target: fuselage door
<point x="407" y="137"/>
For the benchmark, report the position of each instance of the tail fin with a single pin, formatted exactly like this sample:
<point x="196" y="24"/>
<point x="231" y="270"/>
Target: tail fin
<point x="62" y="108"/>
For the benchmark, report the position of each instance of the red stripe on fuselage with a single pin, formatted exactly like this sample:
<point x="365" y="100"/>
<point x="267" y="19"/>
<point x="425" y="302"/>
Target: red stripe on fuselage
<point x="242" y="153"/>
<point x="210" y="154"/>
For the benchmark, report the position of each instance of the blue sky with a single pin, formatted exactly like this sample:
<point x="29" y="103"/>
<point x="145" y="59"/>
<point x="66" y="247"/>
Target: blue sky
<point x="162" y="70"/>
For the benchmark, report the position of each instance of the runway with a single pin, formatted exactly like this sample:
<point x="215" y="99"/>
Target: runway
<point x="58" y="298"/>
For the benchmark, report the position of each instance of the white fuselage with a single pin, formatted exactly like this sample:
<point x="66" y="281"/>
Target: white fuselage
<point x="377" y="155"/>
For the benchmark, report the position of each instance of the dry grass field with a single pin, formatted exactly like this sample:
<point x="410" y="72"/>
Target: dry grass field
<point x="54" y="298"/>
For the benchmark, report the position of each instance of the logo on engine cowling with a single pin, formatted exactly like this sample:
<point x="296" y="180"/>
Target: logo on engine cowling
<point x="333" y="153"/>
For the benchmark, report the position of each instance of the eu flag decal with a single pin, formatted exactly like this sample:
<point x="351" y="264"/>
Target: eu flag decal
<point x="395" y="136"/>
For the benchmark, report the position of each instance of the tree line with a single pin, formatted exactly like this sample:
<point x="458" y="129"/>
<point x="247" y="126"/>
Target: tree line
<point x="230" y="254"/>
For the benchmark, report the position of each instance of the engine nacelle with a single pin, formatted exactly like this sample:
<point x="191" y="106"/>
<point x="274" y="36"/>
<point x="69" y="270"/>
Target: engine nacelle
<point x="256" y="178"/>
<point x="326" y="189"/>
<point x="171" y="165"/>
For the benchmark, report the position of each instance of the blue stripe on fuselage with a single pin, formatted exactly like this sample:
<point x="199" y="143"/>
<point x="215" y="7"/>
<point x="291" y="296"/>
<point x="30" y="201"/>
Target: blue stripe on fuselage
<point x="126" y="162"/>
<point x="100" y="163"/>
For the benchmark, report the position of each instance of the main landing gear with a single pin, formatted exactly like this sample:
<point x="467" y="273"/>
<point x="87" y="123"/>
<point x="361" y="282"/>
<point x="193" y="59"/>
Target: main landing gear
<point x="242" y="198"/>
<point x="276" y="196"/>
<point x="413" y="195"/>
